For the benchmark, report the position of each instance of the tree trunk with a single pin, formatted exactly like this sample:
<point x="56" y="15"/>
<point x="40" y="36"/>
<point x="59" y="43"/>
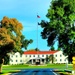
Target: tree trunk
<point x="52" y="59"/>
<point x="1" y="68"/>
<point x="1" y="64"/>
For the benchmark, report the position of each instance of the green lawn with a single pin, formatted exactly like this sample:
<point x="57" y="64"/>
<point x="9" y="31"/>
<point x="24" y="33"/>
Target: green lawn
<point x="15" y="68"/>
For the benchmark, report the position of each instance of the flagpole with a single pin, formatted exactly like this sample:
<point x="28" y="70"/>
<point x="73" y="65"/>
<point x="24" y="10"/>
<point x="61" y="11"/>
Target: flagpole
<point x="37" y="32"/>
<point x="37" y="29"/>
<point x="37" y="39"/>
<point x="38" y="60"/>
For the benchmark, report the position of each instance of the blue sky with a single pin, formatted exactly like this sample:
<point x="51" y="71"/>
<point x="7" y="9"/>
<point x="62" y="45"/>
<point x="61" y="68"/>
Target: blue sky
<point x="25" y="11"/>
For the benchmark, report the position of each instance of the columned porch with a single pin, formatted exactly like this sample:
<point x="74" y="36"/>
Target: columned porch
<point x="38" y="61"/>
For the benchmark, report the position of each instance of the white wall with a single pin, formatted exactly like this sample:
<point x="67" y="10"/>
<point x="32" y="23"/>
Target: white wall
<point x="21" y="59"/>
<point x="16" y="58"/>
<point x="60" y="58"/>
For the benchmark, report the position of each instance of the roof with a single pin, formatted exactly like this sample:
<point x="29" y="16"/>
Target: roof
<point x="40" y="52"/>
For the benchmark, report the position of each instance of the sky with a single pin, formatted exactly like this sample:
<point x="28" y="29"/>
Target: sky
<point x="25" y="11"/>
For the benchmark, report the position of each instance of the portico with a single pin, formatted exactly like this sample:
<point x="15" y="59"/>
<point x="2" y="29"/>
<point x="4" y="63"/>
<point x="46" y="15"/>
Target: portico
<point x="38" y="60"/>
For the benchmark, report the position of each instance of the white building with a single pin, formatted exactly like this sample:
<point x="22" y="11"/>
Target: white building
<point x="38" y="57"/>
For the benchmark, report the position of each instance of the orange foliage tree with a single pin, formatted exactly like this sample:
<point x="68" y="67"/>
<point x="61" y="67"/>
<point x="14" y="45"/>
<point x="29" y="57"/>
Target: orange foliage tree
<point x="10" y="37"/>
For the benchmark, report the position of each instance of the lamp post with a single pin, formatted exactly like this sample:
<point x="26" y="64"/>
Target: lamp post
<point x="73" y="58"/>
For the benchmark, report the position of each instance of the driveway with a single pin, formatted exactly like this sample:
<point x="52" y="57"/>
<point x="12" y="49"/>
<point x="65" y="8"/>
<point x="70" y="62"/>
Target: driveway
<point x="36" y="72"/>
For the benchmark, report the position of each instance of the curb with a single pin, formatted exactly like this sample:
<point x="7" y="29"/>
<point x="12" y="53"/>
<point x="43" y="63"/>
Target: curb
<point x="69" y="71"/>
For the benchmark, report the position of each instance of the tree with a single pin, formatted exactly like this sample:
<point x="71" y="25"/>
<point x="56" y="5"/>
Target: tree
<point x="6" y="60"/>
<point x="52" y="58"/>
<point x="11" y="38"/>
<point x="61" y="26"/>
<point x="36" y="49"/>
<point x="25" y="42"/>
<point x="47" y="59"/>
<point x="52" y="48"/>
<point x="6" y="45"/>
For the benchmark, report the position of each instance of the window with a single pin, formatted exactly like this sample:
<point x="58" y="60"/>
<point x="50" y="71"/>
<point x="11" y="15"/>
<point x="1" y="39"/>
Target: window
<point x="20" y="55"/>
<point x="16" y="60"/>
<point x="30" y="56"/>
<point x="60" y="55"/>
<point x="26" y="56"/>
<point x="38" y="55"/>
<point x="65" y="60"/>
<point x="55" y="55"/>
<point x="46" y="55"/>
<point x="60" y="59"/>
<point x="20" y="60"/>
<point x="42" y="55"/>
<point x="16" y="56"/>
<point x="33" y="55"/>
<point x="12" y="56"/>
<point x="11" y="60"/>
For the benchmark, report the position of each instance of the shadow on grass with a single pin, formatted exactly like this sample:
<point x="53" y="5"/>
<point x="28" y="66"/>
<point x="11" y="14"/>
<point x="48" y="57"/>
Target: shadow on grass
<point x="3" y="73"/>
<point x="14" y="71"/>
<point x="62" y="72"/>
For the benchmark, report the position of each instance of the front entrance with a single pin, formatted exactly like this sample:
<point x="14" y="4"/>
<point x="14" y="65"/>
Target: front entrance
<point x="37" y="62"/>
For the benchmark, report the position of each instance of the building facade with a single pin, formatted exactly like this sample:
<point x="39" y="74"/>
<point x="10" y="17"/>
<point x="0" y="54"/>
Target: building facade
<point x="38" y="57"/>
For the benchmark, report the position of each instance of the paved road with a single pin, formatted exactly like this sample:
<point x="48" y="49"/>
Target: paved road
<point x="36" y="72"/>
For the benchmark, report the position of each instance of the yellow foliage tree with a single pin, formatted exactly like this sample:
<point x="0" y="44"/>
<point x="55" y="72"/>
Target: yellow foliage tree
<point x="10" y="37"/>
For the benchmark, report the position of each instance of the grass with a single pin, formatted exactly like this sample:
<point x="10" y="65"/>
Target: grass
<point x="56" y="66"/>
<point x="16" y="68"/>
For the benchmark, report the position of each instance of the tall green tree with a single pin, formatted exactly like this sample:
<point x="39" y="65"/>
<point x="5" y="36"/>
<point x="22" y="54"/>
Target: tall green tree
<point x="50" y="58"/>
<point x="61" y="26"/>
<point x="36" y="49"/>
<point x="25" y="42"/>
<point x="6" y="60"/>
<point x="11" y="38"/>
<point x="52" y="48"/>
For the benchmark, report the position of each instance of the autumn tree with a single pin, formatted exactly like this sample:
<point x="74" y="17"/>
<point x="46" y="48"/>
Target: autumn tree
<point x="6" y="45"/>
<point x="61" y="26"/>
<point x="11" y="38"/>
